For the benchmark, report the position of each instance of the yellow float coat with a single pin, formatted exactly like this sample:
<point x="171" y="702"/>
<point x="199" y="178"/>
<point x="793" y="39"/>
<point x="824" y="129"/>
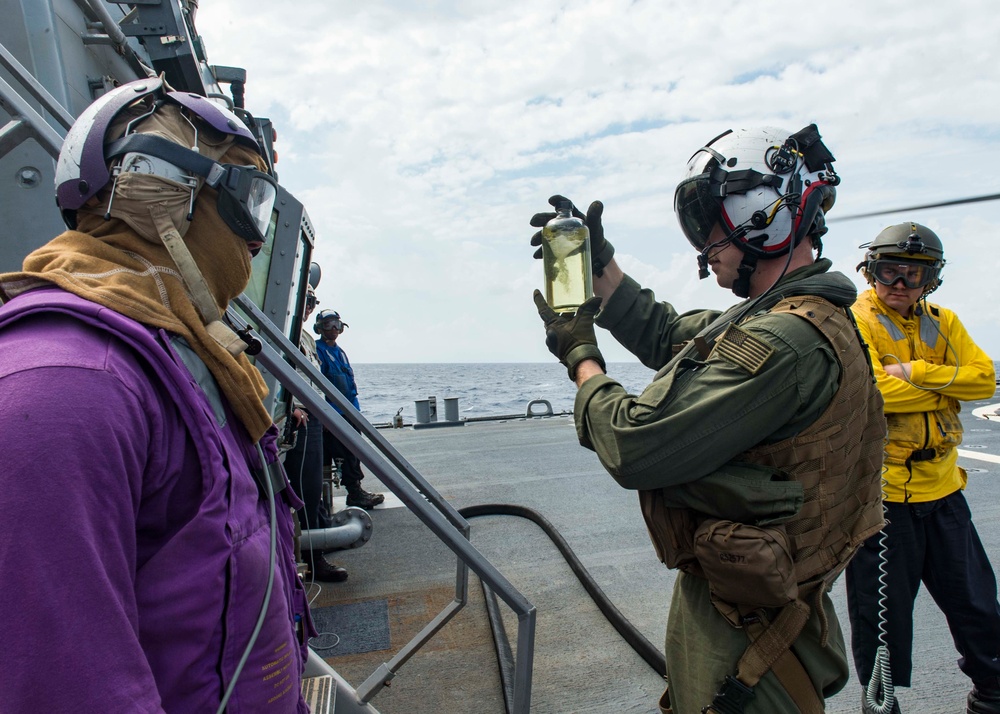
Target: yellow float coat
<point x="947" y="367"/>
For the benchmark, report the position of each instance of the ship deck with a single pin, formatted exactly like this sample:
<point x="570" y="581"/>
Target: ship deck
<point x="581" y="664"/>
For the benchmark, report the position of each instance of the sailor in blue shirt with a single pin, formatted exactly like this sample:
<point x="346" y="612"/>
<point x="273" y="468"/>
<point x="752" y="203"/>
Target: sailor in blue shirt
<point x="337" y="368"/>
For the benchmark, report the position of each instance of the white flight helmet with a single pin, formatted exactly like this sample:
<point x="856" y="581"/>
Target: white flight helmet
<point x="767" y="188"/>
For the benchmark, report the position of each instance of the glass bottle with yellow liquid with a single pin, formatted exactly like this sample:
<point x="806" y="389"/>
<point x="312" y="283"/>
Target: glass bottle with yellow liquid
<point x="566" y="260"/>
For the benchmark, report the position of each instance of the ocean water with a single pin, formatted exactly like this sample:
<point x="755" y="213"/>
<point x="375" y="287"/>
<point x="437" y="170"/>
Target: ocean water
<point x="482" y="389"/>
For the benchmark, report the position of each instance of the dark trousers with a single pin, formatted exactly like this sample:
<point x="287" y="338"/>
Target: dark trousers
<point x="937" y="544"/>
<point x="304" y="466"/>
<point x="351" y="473"/>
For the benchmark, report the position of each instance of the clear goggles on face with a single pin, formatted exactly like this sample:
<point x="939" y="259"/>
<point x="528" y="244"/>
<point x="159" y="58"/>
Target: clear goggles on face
<point x="330" y="320"/>
<point x="246" y="200"/>
<point x="913" y="273"/>
<point x="246" y="195"/>
<point x="311" y="301"/>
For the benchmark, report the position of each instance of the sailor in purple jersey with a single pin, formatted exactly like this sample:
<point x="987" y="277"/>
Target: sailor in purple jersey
<point x="140" y="478"/>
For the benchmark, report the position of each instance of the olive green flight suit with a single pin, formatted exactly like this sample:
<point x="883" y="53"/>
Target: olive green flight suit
<point x="693" y="420"/>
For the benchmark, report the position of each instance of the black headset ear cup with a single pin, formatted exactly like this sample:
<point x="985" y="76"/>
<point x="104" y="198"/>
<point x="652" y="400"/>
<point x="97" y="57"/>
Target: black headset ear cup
<point x="813" y="212"/>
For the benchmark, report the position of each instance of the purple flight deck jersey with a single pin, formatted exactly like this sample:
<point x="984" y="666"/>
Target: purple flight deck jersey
<point x="134" y="559"/>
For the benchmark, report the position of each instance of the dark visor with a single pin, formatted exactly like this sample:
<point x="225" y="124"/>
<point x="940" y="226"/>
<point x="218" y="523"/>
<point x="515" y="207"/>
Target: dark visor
<point x="697" y="205"/>
<point x="697" y="210"/>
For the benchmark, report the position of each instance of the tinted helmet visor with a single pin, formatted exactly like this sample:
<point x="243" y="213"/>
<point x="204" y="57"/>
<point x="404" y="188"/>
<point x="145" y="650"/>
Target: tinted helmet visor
<point x="697" y="210"/>
<point x="913" y="273"/>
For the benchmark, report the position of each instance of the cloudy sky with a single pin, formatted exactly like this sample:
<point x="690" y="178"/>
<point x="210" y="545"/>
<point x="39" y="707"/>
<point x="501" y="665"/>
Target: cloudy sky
<point x="422" y="136"/>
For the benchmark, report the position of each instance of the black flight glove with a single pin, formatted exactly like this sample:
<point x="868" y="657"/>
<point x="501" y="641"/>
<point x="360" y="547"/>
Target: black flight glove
<point x="601" y="251"/>
<point x="571" y="338"/>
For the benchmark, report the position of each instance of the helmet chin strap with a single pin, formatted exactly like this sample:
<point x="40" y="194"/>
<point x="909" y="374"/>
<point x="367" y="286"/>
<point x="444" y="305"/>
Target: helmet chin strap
<point x="201" y="296"/>
<point x="741" y="286"/>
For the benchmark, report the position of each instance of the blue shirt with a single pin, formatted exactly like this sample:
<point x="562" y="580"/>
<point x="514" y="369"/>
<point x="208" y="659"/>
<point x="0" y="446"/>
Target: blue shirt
<point x="337" y="368"/>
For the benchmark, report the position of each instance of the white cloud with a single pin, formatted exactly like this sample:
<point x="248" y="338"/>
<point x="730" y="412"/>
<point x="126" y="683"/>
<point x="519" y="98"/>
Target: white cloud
<point x="423" y="136"/>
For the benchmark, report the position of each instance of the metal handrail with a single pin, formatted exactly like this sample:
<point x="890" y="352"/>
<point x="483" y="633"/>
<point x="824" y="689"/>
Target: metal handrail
<point x="35" y="89"/>
<point x="347" y="410"/>
<point x="411" y="488"/>
<point x="25" y="121"/>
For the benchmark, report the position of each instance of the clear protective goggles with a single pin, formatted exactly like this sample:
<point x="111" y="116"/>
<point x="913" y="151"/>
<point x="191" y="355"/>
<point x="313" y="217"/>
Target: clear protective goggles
<point x="330" y="320"/>
<point x="246" y="201"/>
<point x="913" y="273"/>
<point x="246" y="195"/>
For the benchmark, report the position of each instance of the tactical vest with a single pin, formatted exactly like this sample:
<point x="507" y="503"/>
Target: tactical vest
<point x="837" y="459"/>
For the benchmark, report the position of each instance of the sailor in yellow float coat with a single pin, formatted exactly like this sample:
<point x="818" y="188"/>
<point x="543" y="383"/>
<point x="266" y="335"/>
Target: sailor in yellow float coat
<point x="925" y="364"/>
<point x="919" y="418"/>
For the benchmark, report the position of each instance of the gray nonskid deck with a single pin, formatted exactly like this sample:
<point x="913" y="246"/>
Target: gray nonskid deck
<point x="581" y="663"/>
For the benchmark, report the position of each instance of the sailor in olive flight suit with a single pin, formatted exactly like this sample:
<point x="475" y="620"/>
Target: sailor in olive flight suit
<point x="762" y="426"/>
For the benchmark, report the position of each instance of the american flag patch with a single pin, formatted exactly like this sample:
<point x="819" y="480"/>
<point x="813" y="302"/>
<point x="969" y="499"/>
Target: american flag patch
<point x="742" y="349"/>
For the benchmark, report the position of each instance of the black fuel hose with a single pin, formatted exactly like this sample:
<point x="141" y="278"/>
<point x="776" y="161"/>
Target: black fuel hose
<point x="651" y="654"/>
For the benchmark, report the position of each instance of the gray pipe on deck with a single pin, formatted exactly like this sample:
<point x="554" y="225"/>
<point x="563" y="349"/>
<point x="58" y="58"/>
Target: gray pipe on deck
<point x="352" y="527"/>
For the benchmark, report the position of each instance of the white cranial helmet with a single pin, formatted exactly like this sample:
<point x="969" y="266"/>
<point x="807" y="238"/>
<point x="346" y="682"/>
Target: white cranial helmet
<point x="766" y="188"/>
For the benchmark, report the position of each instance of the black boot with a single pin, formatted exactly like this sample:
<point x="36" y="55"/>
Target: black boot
<point x="324" y="570"/>
<point x="985" y="697"/>
<point x="359" y="498"/>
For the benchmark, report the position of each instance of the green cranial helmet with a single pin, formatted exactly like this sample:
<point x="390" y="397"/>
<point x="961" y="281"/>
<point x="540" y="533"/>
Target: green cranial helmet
<point x="906" y="251"/>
